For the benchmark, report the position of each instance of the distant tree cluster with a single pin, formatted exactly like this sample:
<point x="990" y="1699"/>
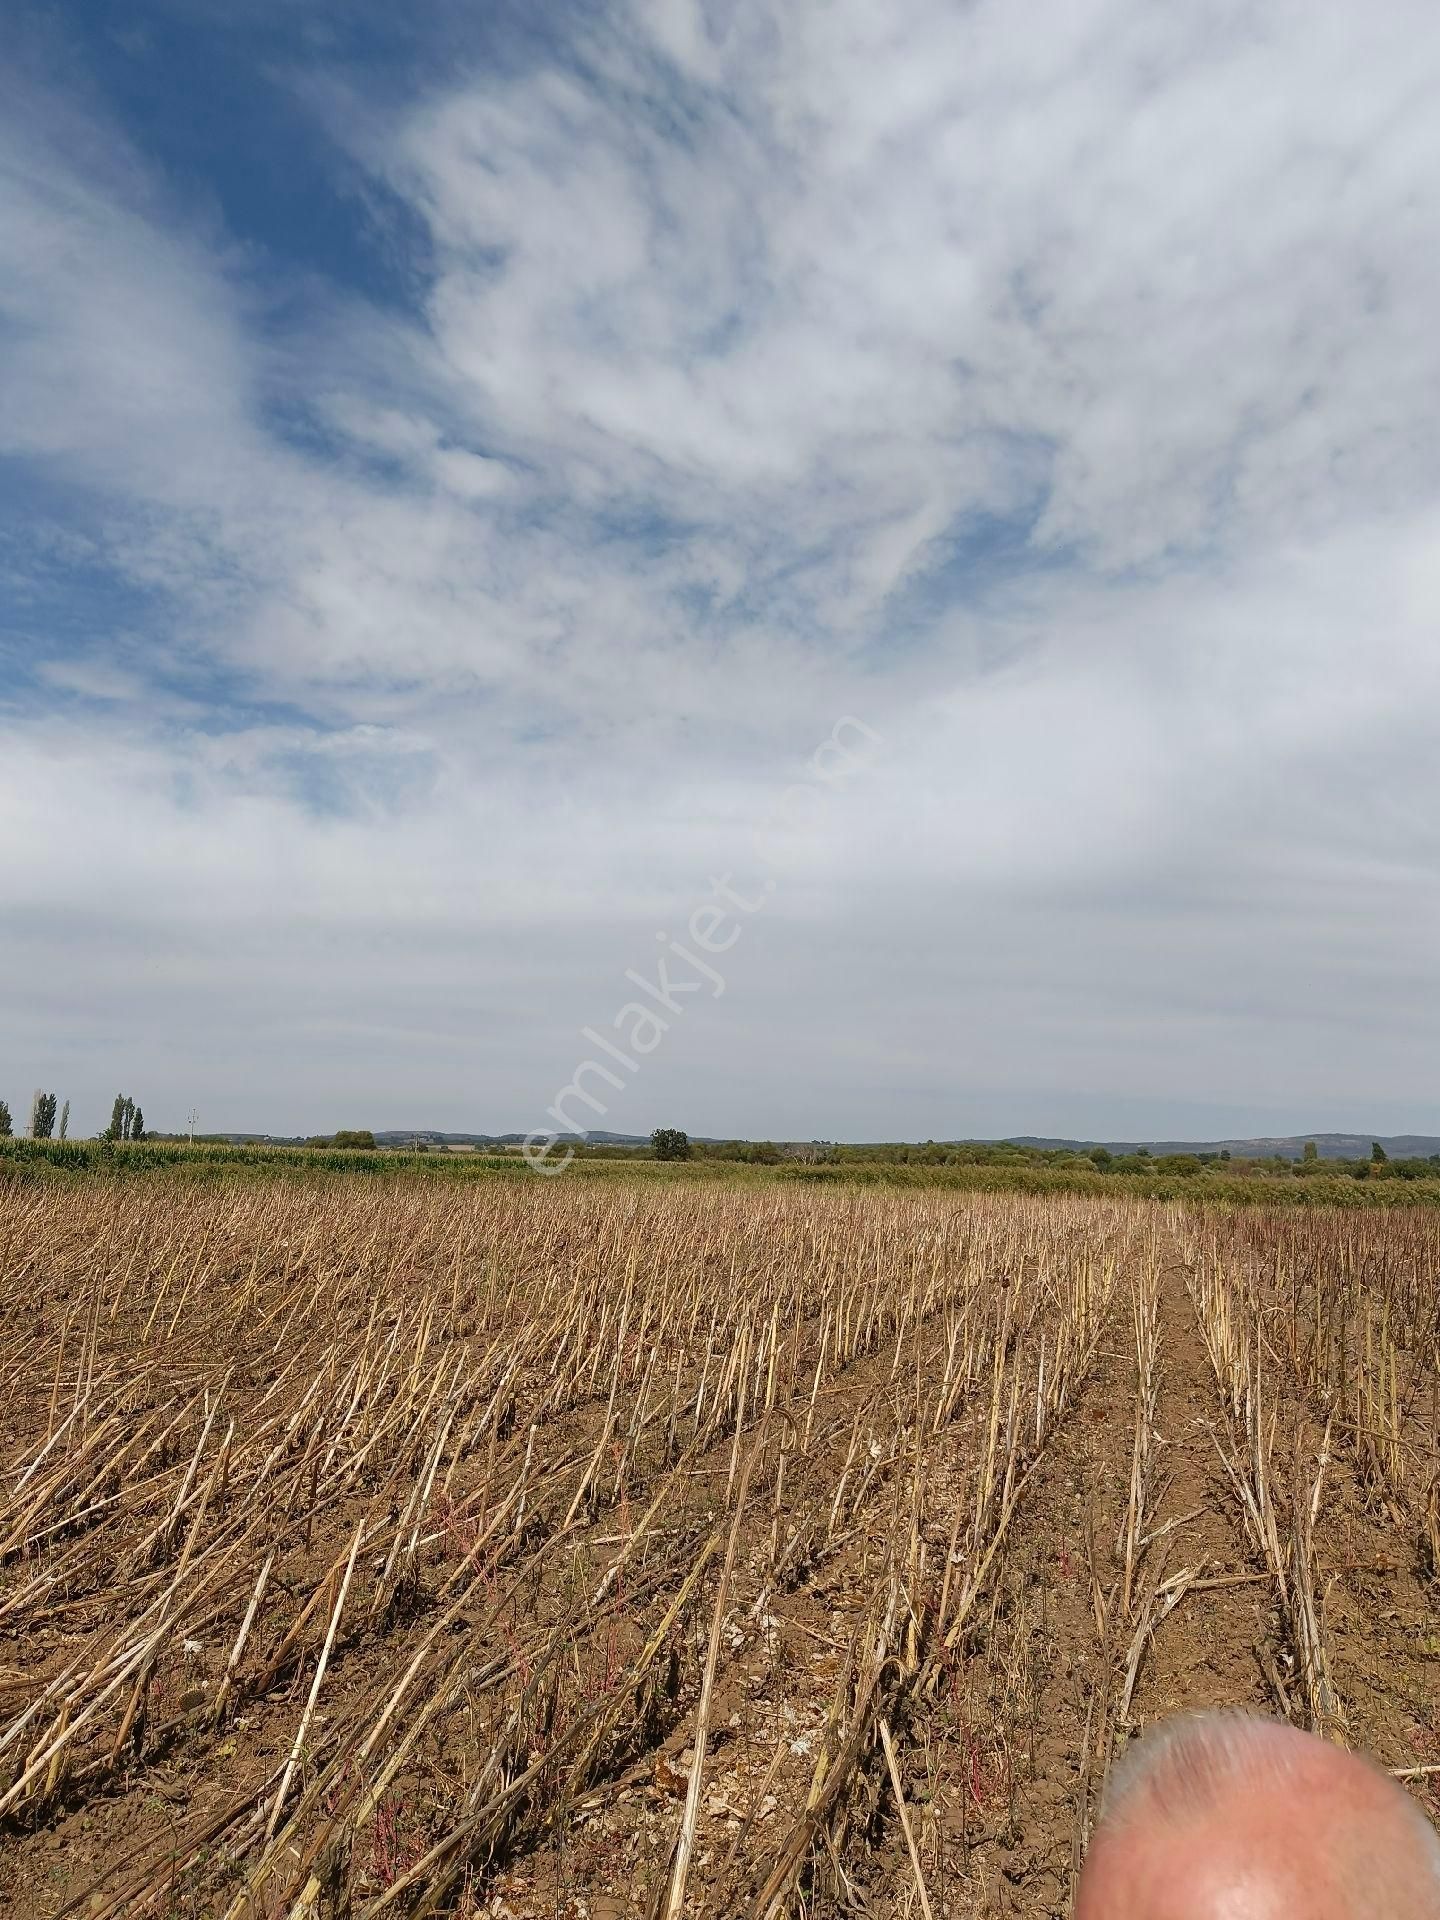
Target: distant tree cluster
<point x="669" y="1143"/>
<point x="763" y="1153"/>
<point x="127" y="1122"/>
<point x="1006" y="1156"/>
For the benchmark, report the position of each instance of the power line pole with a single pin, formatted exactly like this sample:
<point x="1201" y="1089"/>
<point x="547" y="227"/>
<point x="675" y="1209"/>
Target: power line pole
<point x="192" y="1122"/>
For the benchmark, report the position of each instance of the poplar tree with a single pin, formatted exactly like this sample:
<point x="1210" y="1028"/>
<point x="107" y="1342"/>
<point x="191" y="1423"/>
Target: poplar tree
<point x="127" y="1122"/>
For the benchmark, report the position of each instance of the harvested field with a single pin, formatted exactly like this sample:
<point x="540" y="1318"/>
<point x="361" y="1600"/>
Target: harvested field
<point x="570" y="1549"/>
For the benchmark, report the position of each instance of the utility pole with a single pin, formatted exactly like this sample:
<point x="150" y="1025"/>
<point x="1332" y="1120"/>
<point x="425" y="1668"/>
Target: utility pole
<point x="192" y="1121"/>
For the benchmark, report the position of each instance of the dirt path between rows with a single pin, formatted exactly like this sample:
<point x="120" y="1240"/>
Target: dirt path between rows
<point x="1213" y="1649"/>
<point x="995" y="1773"/>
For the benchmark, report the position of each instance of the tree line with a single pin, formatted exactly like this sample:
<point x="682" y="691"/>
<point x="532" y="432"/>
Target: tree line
<point x="49" y="1120"/>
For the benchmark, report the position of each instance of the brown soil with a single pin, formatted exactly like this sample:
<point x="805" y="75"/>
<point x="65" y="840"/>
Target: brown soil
<point x="1001" y="1787"/>
<point x="1214" y="1648"/>
<point x="1002" y="1745"/>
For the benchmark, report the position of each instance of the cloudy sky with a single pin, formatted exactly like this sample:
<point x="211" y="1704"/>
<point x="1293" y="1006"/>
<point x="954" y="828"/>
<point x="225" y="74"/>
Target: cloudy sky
<point x="453" y="478"/>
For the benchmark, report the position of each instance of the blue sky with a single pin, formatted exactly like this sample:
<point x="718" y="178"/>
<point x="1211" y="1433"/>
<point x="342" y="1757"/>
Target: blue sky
<point x="453" y="474"/>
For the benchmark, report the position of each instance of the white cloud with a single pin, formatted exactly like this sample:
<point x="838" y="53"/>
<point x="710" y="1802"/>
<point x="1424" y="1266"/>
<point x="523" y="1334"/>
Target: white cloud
<point x="1054" y="390"/>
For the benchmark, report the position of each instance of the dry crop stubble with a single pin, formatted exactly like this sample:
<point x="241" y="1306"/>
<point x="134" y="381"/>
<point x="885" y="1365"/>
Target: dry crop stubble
<point x="378" y="1547"/>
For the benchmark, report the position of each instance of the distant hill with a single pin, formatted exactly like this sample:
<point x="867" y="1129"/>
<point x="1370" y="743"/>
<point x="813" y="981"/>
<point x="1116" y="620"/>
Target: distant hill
<point x="402" y="1137"/>
<point x="408" y="1136"/>
<point x="1329" y="1146"/>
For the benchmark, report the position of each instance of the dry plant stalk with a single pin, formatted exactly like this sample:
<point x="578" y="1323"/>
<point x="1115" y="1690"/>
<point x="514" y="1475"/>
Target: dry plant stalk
<point x="519" y="1443"/>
